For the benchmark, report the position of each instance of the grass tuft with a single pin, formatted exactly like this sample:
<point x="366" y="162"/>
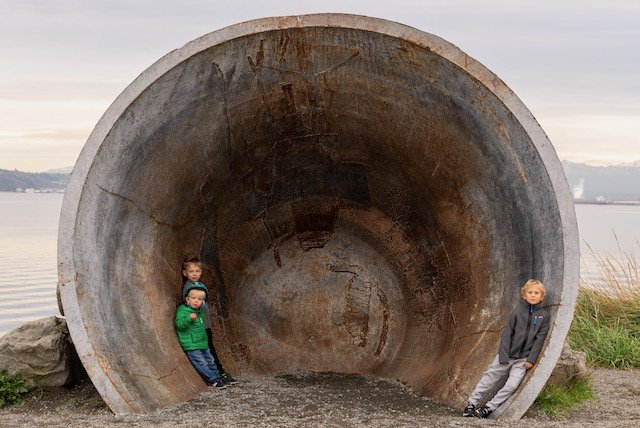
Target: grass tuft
<point x="555" y="400"/>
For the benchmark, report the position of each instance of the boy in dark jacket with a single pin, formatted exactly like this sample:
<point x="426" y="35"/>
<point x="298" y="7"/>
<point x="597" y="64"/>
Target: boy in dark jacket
<point x="192" y="335"/>
<point x="520" y="344"/>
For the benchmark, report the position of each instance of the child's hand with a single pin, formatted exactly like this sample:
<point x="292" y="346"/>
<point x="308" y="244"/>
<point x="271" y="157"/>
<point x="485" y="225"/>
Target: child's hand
<point x="527" y="365"/>
<point x="194" y="316"/>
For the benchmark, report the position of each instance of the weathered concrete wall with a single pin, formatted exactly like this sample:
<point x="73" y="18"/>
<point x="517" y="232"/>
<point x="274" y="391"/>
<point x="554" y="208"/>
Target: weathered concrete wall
<point x="366" y="198"/>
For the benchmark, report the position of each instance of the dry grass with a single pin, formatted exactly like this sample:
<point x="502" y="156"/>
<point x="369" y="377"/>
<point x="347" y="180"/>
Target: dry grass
<point x="607" y="319"/>
<point x="617" y="275"/>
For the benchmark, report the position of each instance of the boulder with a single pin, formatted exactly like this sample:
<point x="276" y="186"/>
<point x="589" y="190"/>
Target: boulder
<point x="571" y="365"/>
<point x="42" y="352"/>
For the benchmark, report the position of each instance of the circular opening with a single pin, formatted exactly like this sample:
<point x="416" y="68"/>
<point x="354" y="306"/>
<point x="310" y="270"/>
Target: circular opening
<point x="361" y="201"/>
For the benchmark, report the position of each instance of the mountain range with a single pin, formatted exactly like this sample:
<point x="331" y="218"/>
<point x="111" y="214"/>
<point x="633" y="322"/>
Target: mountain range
<point x="619" y="183"/>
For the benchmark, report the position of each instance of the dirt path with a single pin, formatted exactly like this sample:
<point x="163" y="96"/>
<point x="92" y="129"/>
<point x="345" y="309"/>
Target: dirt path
<point x="313" y="401"/>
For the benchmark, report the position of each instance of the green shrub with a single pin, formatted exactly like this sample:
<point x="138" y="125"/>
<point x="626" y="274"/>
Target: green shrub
<point x="557" y="400"/>
<point x="11" y="388"/>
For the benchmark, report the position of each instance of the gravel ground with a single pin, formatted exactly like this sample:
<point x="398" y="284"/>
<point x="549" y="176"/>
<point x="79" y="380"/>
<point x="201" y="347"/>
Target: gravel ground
<point x="313" y="400"/>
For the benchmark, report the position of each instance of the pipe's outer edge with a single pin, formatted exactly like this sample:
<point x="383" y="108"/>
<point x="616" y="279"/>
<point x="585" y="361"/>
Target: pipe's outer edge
<point x="516" y="406"/>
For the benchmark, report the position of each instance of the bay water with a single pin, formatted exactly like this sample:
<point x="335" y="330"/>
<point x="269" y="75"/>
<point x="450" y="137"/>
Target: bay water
<point x="28" y="259"/>
<point x="29" y="229"/>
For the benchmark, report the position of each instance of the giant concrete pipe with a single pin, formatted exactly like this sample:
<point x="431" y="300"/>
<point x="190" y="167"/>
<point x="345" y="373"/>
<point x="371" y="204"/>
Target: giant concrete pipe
<point x="366" y="198"/>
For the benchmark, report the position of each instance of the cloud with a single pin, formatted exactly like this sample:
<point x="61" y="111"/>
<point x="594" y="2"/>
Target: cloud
<point x="64" y="62"/>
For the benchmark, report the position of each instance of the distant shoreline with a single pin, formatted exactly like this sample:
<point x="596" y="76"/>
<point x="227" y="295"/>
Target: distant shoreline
<point x="596" y="202"/>
<point x="575" y="201"/>
<point x="31" y="190"/>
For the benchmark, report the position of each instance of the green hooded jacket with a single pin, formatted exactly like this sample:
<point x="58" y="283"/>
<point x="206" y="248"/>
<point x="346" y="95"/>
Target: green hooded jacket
<point x="192" y="334"/>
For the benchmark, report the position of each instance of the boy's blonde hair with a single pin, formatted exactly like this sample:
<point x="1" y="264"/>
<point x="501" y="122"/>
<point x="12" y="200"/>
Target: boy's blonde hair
<point x="197" y="290"/>
<point x="533" y="283"/>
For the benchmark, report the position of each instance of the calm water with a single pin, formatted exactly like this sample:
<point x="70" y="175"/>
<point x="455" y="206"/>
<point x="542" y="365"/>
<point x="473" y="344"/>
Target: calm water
<point x="28" y="260"/>
<point x="612" y="230"/>
<point x="29" y="227"/>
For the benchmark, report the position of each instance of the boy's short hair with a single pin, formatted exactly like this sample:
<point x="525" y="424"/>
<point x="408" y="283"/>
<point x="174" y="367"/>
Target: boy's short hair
<point x="191" y="260"/>
<point x="533" y="283"/>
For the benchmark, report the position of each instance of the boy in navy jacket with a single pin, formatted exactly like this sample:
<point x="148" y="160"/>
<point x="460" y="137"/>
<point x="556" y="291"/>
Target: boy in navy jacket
<point x="520" y="345"/>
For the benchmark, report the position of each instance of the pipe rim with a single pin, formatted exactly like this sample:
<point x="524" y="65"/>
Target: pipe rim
<point x="521" y="401"/>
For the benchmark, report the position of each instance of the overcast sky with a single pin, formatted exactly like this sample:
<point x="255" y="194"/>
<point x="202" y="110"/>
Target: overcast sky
<point x="575" y="64"/>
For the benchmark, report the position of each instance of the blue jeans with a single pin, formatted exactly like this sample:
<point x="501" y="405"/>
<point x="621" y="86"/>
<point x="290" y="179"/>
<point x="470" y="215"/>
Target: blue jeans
<point x="205" y="365"/>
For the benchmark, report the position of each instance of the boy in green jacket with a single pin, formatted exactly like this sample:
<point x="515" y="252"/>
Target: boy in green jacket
<point x="192" y="334"/>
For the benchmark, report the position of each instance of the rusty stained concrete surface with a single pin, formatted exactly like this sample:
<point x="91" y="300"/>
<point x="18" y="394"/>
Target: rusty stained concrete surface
<point x="362" y="205"/>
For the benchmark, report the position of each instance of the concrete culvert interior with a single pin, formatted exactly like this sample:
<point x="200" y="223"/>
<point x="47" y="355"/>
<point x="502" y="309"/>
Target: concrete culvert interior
<point x="365" y="197"/>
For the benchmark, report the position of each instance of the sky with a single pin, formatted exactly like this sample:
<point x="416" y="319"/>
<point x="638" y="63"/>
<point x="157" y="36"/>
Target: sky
<point x="574" y="64"/>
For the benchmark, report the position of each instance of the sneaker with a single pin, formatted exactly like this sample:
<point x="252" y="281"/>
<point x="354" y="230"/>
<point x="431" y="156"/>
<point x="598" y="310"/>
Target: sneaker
<point x="483" y="412"/>
<point x="469" y="410"/>
<point x="227" y="379"/>
<point x="218" y="383"/>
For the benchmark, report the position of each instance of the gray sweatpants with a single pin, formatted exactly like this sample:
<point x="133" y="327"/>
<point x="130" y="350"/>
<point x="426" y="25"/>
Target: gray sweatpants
<point x="491" y="376"/>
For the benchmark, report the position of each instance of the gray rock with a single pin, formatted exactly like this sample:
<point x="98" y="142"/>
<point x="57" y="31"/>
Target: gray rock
<point x="571" y="365"/>
<point x="41" y="351"/>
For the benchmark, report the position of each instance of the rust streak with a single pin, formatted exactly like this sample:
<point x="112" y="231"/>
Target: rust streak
<point x="385" y="322"/>
<point x="259" y="58"/>
<point x="225" y="107"/>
